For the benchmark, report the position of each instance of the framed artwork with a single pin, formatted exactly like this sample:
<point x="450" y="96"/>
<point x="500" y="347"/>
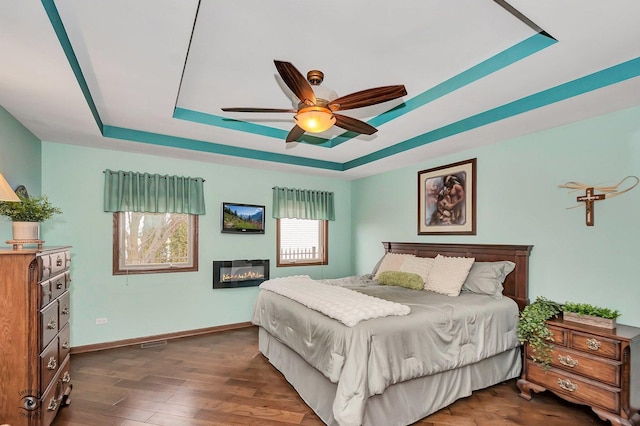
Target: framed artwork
<point x="447" y="199"/>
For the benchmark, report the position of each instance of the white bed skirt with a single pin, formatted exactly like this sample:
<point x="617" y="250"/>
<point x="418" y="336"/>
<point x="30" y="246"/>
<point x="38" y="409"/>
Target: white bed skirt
<point x="401" y="404"/>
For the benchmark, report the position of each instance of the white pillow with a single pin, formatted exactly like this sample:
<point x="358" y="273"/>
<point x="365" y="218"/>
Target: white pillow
<point x="448" y="274"/>
<point x="391" y="262"/>
<point x="418" y="265"/>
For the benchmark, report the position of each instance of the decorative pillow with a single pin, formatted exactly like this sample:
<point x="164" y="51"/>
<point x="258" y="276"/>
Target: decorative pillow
<point x="487" y="278"/>
<point x="448" y="274"/>
<point x="418" y="265"/>
<point x="391" y="262"/>
<point x="401" y="279"/>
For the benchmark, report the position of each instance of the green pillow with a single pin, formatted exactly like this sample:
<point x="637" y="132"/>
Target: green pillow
<point x="402" y="279"/>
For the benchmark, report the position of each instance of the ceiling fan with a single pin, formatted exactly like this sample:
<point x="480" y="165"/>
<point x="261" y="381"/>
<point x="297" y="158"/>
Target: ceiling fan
<point x="316" y="114"/>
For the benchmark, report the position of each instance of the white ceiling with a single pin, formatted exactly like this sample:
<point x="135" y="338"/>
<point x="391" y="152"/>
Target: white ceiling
<point x="152" y="75"/>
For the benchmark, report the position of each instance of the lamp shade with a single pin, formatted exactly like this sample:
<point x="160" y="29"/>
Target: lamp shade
<point x="6" y="193"/>
<point x="315" y="119"/>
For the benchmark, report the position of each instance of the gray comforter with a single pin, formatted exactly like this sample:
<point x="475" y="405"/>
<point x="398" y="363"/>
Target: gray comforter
<point x="441" y="333"/>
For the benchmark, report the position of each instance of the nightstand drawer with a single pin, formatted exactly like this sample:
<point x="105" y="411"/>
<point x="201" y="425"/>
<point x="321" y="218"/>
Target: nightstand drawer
<point x="595" y="345"/>
<point x="575" y="387"/>
<point x="601" y="369"/>
<point x="559" y="335"/>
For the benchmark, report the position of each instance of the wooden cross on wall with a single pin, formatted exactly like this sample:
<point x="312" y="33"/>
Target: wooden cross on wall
<point x="589" y="198"/>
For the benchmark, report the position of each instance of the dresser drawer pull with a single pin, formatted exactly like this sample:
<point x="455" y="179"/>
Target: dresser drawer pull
<point x="52" y="325"/>
<point x="66" y="345"/>
<point x="567" y="361"/>
<point x="59" y="284"/>
<point x="53" y="404"/>
<point x="593" y="344"/>
<point x="66" y="378"/>
<point x="65" y="311"/>
<point x="567" y="385"/>
<point x="58" y="261"/>
<point x="52" y="363"/>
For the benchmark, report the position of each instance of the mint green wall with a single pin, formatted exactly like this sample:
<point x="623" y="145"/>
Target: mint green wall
<point x="143" y="305"/>
<point x="19" y="160"/>
<point x="519" y="202"/>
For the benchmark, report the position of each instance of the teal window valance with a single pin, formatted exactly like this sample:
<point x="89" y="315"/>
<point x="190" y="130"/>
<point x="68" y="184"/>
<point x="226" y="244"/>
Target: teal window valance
<point x="302" y="204"/>
<point x="152" y="193"/>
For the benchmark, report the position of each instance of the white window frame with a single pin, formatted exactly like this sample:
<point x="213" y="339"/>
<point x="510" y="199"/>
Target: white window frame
<point x="322" y="257"/>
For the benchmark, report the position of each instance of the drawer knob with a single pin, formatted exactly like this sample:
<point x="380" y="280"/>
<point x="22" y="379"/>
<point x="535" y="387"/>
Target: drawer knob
<point x="59" y="284"/>
<point x="52" y="324"/>
<point x="65" y="311"/>
<point x="58" y="261"/>
<point x="567" y="385"/>
<point x="567" y="361"/>
<point x="66" y="378"/>
<point x="593" y="344"/>
<point x="66" y="345"/>
<point x="53" y="404"/>
<point x="52" y="363"/>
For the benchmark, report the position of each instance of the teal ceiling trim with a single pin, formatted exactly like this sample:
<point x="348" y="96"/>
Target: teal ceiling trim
<point x="214" y="148"/>
<point x="243" y="126"/>
<point x="603" y="78"/>
<point x="597" y="80"/>
<point x="501" y="60"/>
<point x="63" y="38"/>
<point x="495" y="63"/>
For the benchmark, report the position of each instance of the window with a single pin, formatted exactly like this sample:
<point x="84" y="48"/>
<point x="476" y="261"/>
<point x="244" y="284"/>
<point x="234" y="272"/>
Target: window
<point x="154" y="242"/>
<point x="302" y="242"/>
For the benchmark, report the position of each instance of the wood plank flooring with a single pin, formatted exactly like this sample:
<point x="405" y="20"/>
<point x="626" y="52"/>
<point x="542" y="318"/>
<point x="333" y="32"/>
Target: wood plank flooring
<point x="222" y="380"/>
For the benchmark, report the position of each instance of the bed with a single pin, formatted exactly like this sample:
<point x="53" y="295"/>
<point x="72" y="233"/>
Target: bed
<point x="397" y="369"/>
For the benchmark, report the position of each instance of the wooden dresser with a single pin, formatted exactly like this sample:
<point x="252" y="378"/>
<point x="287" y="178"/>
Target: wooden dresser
<point x="591" y="366"/>
<point x="34" y="335"/>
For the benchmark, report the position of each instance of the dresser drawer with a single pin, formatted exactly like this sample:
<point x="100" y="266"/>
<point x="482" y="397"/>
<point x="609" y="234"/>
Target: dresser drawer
<point x="64" y="342"/>
<point x="58" y="262"/>
<point x="67" y="280"/>
<point x="49" y="363"/>
<point x="44" y="265"/>
<point x="64" y="309"/>
<point x="52" y="398"/>
<point x="596" y="345"/>
<point x="48" y="324"/>
<point x="598" y="369"/>
<point x="45" y="293"/>
<point x="57" y="285"/>
<point x="575" y="387"/>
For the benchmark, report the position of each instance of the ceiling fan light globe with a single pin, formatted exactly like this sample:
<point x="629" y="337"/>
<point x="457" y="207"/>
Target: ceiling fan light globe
<point x="315" y="119"/>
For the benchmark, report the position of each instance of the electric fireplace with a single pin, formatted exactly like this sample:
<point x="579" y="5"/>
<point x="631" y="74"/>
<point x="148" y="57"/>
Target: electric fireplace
<point x="239" y="273"/>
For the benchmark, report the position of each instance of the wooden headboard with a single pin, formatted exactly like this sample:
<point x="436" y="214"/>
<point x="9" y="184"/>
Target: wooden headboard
<point x="516" y="285"/>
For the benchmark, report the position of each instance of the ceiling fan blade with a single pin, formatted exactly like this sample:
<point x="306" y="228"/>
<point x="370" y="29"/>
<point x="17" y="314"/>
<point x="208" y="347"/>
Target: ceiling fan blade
<point x="354" y="125"/>
<point x="295" y="134"/>
<point x="249" y="109"/>
<point x="296" y="82"/>
<point x="367" y="97"/>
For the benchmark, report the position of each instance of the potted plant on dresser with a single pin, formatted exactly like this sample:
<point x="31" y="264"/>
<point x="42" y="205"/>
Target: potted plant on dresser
<point x="27" y="214"/>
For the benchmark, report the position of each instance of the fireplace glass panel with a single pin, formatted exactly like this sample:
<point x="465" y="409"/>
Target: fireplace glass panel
<point x="240" y="273"/>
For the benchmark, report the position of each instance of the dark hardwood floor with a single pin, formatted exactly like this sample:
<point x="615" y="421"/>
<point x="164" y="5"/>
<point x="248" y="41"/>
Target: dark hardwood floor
<point x="222" y="379"/>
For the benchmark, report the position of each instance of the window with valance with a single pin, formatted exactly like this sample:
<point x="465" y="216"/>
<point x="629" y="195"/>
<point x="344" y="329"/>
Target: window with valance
<point x="302" y="229"/>
<point x="155" y="221"/>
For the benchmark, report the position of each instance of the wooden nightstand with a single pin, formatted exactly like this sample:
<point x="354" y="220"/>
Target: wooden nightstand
<point x="591" y="366"/>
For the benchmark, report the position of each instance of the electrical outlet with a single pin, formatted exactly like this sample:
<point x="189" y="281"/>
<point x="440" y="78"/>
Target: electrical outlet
<point x="101" y="321"/>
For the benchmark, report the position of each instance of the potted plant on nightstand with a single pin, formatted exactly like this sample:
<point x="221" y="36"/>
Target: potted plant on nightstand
<point x="533" y="330"/>
<point x="27" y="214"/>
<point x="590" y="315"/>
